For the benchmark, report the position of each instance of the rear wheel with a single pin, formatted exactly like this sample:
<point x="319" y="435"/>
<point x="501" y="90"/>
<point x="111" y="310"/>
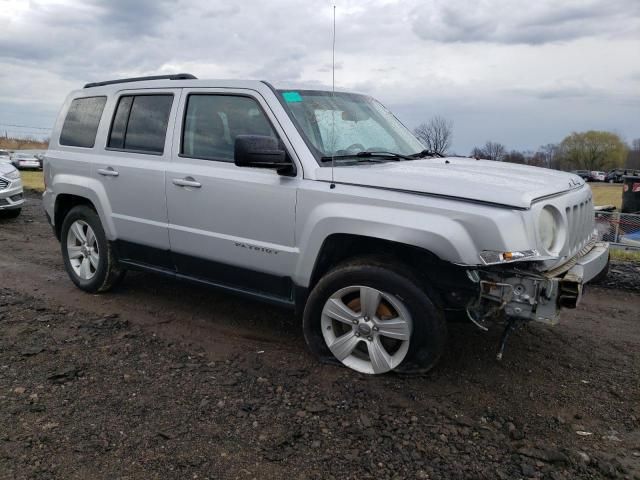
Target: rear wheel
<point x="88" y="256"/>
<point x="374" y="318"/>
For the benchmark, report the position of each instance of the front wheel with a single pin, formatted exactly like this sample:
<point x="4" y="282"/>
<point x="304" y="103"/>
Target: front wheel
<point x="374" y="318"/>
<point x="88" y="256"/>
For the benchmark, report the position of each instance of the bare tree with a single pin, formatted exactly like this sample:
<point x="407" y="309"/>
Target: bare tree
<point x="495" y="151"/>
<point x="551" y="155"/>
<point x="436" y="134"/>
<point x="515" y="157"/>
<point x="477" y="152"/>
<point x="490" y="151"/>
<point x="633" y="157"/>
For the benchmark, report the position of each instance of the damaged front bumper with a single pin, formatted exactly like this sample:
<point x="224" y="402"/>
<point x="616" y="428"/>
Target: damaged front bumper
<point x="529" y="295"/>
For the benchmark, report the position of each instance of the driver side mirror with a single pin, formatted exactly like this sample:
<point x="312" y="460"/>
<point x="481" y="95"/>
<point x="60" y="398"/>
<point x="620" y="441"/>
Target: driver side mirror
<point x="261" y="151"/>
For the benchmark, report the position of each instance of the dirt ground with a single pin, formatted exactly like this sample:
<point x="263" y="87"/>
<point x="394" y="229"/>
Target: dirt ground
<point x="161" y="379"/>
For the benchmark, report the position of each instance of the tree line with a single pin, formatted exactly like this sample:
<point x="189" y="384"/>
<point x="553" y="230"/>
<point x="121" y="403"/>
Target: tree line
<point x="591" y="150"/>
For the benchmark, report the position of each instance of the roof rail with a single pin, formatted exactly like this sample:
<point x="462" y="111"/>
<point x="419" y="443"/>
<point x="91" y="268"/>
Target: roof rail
<point x="177" y="76"/>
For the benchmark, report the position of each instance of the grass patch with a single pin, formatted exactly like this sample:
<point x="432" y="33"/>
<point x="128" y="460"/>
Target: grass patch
<point x="607" y="194"/>
<point x="32" y="180"/>
<point x="625" y="255"/>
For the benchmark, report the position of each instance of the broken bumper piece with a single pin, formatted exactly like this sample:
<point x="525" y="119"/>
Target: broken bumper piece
<point x="539" y="296"/>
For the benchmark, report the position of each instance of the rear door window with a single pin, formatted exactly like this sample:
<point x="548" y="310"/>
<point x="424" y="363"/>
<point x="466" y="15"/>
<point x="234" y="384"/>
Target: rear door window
<point x="140" y="123"/>
<point x="81" y="123"/>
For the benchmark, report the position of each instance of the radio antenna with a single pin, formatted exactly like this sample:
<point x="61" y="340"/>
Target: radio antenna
<point x="333" y="96"/>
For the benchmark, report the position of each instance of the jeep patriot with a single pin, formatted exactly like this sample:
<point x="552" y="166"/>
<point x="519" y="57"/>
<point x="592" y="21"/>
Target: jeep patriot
<point x="315" y="200"/>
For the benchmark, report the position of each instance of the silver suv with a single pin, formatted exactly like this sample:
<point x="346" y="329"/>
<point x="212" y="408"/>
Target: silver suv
<point x="318" y="201"/>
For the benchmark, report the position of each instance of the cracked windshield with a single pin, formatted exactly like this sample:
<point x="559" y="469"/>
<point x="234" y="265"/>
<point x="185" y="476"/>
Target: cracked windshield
<point x="343" y="125"/>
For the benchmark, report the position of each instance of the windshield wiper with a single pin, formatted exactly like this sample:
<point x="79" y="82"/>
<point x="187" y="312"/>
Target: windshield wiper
<point x="368" y="156"/>
<point x="426" y="153"/>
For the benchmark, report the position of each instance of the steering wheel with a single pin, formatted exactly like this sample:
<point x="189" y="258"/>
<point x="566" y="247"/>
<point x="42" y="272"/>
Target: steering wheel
<point x="355" y="146"/>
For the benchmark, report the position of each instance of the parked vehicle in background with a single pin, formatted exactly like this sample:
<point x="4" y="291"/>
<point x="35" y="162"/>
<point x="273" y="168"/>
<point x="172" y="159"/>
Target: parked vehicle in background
<point x="597" y="176"/>
<point x="584" y="174"/>
<point x="5" y="156"/>
<point x="11" y="193"/>
<point x="615" y="176"/>
<point x="26" y="160"/>
<point x="318" y="201"/>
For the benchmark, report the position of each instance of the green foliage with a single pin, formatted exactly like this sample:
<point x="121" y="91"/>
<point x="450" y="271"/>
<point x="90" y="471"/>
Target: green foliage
<point x="592" y="150"/>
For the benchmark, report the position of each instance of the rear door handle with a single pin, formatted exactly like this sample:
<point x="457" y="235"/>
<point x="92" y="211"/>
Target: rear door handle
<point x="186" y="182"/>
<point x="108" y="172"/>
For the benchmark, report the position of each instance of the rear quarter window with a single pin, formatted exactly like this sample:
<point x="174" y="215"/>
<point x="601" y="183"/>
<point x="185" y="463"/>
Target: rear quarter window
<point x="81" y="123"/>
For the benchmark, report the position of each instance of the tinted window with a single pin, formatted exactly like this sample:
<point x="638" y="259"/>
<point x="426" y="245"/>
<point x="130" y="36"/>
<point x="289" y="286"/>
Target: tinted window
<point x="140" y="123"/>
<point x="116" y="139"/>
<point x="212" y="123"/>
<point x="81" y="124"/>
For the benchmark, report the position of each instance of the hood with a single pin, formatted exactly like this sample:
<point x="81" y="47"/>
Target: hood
<point x="6" y="168"/>
<point x="483" y="181"/>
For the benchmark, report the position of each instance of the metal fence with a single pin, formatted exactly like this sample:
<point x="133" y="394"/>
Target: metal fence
<point x="619" y="228"/>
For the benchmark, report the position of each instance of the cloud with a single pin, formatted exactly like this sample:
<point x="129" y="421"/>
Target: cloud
<point x="561" y="90"/>
<point x="132" y="18"/>
<point x="508" y="22"/>
<point x="489" y="65"/>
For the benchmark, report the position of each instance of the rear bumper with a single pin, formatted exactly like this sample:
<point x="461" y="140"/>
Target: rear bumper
<point x="28" y="164"/>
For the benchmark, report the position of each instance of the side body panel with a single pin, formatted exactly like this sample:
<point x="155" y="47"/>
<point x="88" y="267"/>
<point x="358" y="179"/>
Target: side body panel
<point x="68" y="170"/>
<point x="136" y="196"/>
<point x="237" y="216"/>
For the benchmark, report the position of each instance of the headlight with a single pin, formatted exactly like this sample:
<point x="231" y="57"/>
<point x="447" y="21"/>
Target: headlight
<point x="548" y="226"/>
<point x="12" y="175"/>
<point x="494" y="257"/>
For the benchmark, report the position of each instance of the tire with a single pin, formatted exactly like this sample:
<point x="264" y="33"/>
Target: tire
<point x="401" y="297"/>
<point x="92" y="266"/>
<point x="12" y="213"/>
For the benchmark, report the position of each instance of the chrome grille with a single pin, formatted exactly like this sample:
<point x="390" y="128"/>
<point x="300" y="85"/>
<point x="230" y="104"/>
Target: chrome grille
<point x="3" y="183"/>
<point x="580" y="224"/>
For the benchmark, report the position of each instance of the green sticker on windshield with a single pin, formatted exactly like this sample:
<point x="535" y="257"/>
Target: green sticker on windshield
<point x="291" y="97"/>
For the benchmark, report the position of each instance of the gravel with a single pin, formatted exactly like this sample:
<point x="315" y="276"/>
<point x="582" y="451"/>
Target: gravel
<point x="100" y="397"/>
<point x="623" y="276"/>
<point x="165" y="380"/>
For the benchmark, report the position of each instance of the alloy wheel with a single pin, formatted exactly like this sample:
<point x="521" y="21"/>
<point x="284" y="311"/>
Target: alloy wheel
<point x="366" y="329"/>
<point x="83" y="250"/>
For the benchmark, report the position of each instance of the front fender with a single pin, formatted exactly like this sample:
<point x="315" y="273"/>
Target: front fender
<point x="453" y="231"/>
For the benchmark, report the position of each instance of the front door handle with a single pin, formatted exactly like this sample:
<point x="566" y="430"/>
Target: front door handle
<point x="186" y="182"/>
<point x="108" y="172"/>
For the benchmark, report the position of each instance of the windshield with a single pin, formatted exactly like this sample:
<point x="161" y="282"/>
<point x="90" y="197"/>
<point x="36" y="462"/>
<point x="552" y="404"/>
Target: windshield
<point x="343" y="124"/>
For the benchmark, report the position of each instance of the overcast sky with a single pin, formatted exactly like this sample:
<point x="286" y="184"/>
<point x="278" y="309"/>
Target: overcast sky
<point x="520" y="72"/>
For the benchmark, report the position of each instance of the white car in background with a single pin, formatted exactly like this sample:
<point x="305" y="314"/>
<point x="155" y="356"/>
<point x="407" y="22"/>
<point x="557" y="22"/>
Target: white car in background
<point x="24" y="160"/>
<point x="598" y="176"/>
<point x="11" y="193"/>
